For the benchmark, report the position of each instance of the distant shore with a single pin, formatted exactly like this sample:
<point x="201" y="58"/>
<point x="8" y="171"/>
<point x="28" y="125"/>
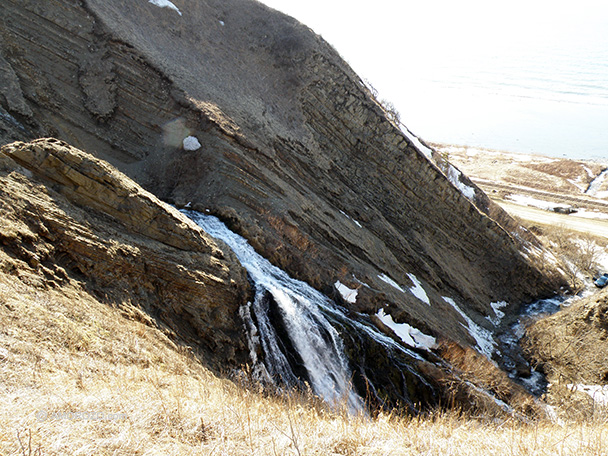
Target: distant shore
<point x="531" y="186"/>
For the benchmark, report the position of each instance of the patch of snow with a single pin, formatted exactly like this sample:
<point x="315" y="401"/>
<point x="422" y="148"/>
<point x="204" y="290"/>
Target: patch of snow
<point x="578" y="183"/>
<point x="360" y="282"/>
<point x="191" y="143"/>
<point x="418" y="290"/>
<point x="485" y="342"/>
<point x="416" y="142"/>
<point x="594" y="214"/>
<point x="599" y="393"/>
<point x="498" y="314"/>
<point x="534" y="202"/>
<point x="3" y="353"/>
<point x="352" y="219"/>
<point x="408" y="334"/>
<point x="349" y="294"/>
<point x="391" y="282"/>
<point x="222" y="23"/>
<point x="602" y="260"/>
<point x="165" y="4"/>
<point x="454" y="178"/>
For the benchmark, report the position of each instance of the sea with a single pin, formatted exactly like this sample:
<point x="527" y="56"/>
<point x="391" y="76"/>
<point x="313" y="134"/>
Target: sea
<point x="547" y="100"/>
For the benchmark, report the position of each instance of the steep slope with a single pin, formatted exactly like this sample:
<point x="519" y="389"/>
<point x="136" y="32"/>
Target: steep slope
<point x="69" y="220"/>
<point x="73" y="224"/>
<point x="295" y="154"/>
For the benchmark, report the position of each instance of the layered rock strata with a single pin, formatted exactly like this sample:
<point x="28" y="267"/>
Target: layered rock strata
<point x="70" y="218"/>
<point x="295" y="153"/>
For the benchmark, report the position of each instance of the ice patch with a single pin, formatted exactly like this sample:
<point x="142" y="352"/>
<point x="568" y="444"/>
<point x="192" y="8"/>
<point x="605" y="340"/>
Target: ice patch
<point x="454" y="177"/>
<point x="599" y="393"/>
<point x="391" y="282"/>
<point x="498" y="314"/>
<point x="165" y="4"/>
<point x="191" y="143"/>
<point x="417" y="289"/>
<point x="595" y="185"/>
<point x="483" y="337"/>
<point x="348" y="294"/>
<point x="408" y="334"/>
<point x="594" y="214"/>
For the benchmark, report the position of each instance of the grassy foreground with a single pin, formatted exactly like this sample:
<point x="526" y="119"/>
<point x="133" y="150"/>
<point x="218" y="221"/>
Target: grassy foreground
<point x="78" y="377"/>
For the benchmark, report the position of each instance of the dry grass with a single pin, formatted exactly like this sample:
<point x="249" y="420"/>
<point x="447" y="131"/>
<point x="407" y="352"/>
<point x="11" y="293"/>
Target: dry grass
<point x="579" y="253"/>
<point x="63" y="353"/>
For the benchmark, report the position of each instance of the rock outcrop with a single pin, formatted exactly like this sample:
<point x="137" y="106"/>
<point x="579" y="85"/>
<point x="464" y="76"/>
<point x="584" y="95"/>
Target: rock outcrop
<point x="69" y="217"/>
<point x="296" y="155"/>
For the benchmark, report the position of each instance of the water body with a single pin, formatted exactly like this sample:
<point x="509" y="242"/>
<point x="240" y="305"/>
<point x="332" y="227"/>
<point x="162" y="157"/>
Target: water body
<point x="548" y="98"/>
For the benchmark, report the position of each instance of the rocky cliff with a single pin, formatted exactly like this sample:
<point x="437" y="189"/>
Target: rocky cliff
<point x="295" y="153"/>
<point x="70" y="219"/>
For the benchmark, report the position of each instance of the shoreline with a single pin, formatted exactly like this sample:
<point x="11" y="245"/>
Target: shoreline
<point x="535" y="187"/>
<point x="439" y="146"/>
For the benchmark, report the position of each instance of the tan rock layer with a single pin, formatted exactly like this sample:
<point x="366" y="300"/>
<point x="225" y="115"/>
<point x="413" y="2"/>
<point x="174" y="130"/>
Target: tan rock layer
<point x="69" y="217"/>
<point x="296" y="155"/>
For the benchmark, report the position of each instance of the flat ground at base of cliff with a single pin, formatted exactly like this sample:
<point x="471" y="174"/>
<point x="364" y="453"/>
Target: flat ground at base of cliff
<point x="78" y="376"/>
<point x="531" y="187"/>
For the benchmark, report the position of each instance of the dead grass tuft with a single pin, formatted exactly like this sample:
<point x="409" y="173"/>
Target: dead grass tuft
<point x="79" y="377"/>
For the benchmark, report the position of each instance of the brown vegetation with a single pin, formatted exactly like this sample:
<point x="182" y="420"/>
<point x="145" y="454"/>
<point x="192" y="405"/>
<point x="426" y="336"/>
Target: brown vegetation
<point x="65" y="353"/>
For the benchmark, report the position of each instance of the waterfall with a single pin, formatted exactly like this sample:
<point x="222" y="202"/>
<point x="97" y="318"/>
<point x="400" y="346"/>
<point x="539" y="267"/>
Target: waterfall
<point x="287" y="307"/>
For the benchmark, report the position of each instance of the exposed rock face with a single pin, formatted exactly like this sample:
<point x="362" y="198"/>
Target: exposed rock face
<point x="296" y="155"/>
<point x="69" y="217"/>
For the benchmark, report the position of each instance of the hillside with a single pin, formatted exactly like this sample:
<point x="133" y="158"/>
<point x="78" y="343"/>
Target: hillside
<point x="237" y="111"/>
<point x="112" y="341"/>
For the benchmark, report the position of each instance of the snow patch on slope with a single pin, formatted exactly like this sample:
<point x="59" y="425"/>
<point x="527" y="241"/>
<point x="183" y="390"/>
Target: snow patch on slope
<point x="417" y="289"/>
<point x="191" y="143"/>
<point x="408" y="334"/>
<point x="483" y="337"/>
<point x="416" y="142"/>
<point x="599" y="393"/>
<point x="498" y="314"/>
<point x="352" y="219"/>
<point x="165" y="4"/>
<point x="391" y="282"/>
<point x="454" y="177"/>
<point x="349" y="294"/>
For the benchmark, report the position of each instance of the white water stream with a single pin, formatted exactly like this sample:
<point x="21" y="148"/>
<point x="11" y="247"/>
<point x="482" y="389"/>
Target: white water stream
<point x="596" y="184"/>
<point x="300" y="307"/>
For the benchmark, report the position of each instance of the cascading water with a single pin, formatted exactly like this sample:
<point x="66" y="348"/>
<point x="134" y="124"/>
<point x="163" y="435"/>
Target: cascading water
<point x="317" y="344"/>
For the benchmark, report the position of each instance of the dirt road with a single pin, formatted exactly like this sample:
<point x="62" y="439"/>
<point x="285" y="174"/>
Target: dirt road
<point x="532" y="214"/>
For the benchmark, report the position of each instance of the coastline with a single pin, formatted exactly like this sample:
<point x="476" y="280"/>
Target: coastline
<point x="531" y="186"/>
